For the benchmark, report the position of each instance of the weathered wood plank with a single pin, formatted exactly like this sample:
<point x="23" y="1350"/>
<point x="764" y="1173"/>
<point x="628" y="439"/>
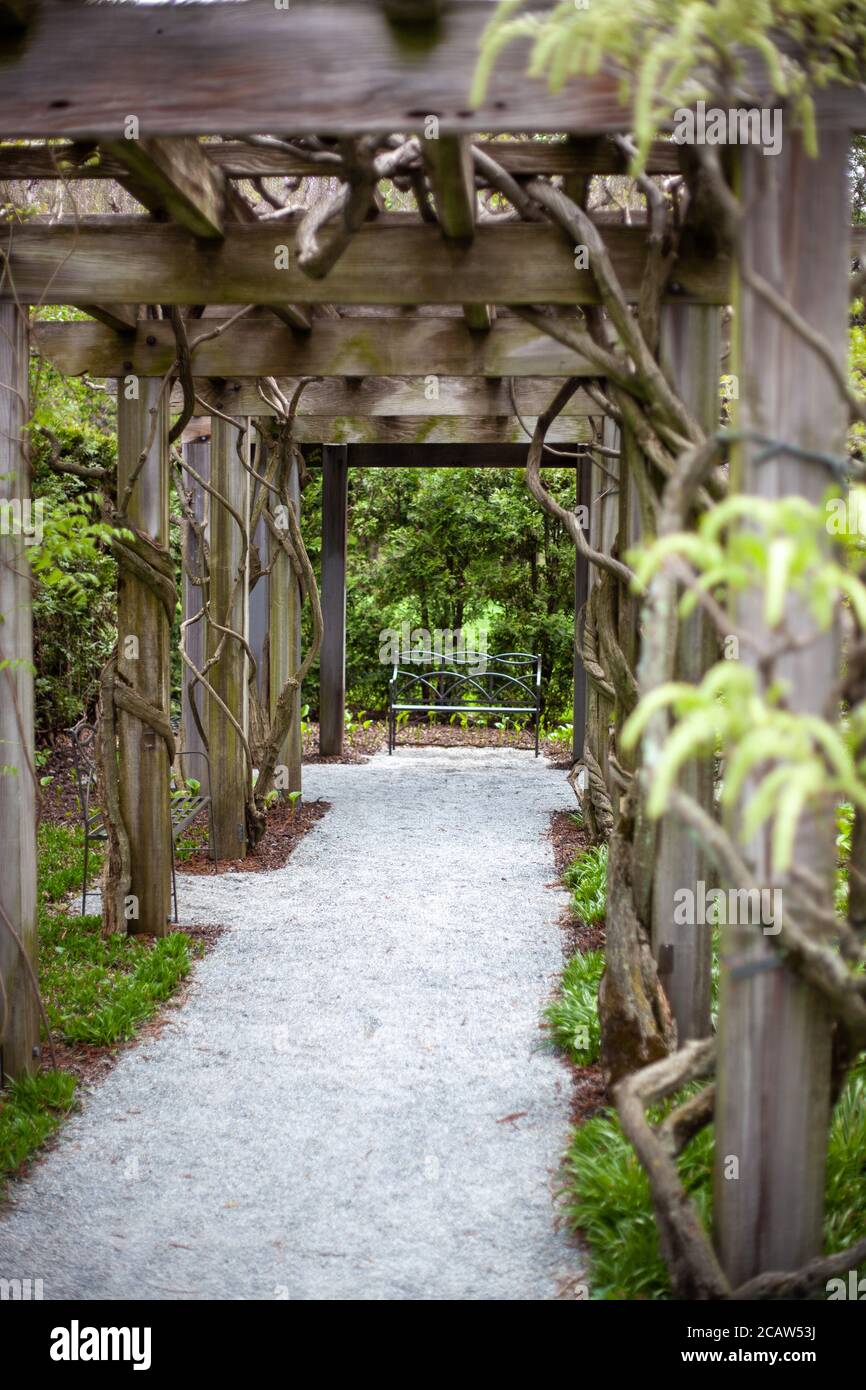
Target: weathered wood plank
<point x="428" y="455"/>
<point x="773" y="1094"/>
<point x="284" y="646"/>
<point x="119" y="318"/>
<point x="247" y="68"/>
<point x="174" y="179"/>
<point x="448" y="161"/>
<point x="332" y="659"/>
<point x="144" y="662"/>
<point x="237" y="160"/>
<point x="196" y="452"/>
<point x="396" y="260"/>
<point x="19" y="1034"/>
<point x="346" y="347"/>
<point x="228" y="676"/>
<point x="407" y="396"/>
<point x="691" y="352"/>
<point x="430" y="429"/>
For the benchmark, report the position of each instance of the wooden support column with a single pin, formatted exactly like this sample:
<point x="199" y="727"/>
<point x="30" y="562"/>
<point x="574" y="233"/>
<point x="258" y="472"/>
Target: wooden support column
<point x="581" y="593"/>
<point x="19" y="1039"/>
<point x="332" y="667"/>
<point x="228" y="676"/>
<point x="197" y="454"/>
<point x="772" y="1108"/>
<point x="603" y="525"/>
<point x="691" y="354"/>
<point x="285" y="638"/>
<point x="144" y="661"/>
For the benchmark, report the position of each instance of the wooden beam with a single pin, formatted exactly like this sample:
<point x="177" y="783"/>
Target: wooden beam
<point x="432" y="429"/>
<point x="332" y="660"/>
<point x="120" y="318"/>
<point x="144" y="663"/>
<point x="583" y="488"/>
<point x="174" y="179"/>
<point x="428" y="456"/>
<point x="228" y="676"/>
<point x="19" y="1016"/>
<point x="774" y="1065"/>
<point x="248" y="68"/>
<point x="237" y="160"/>
<point x="196" y="453"/>
<point x="691" y="349"/>
<point x="347" y="347"/>
<point x="448" y="161"/>
<point x="373" y="396"/>
<point x="395" y="260"/>
<point x="284" y="649"/>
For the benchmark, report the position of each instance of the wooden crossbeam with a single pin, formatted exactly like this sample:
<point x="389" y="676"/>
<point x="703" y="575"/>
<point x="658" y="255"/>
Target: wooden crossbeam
<point x="348" y="347"/>
<point x="434" y="456"/>
<point x="120" y="318"/>
<point x="174" y="179"/>
<point x="315" y="66"/>
<point x="237" y="160"/>
<point x="396" y="260"/>
<point x="412" y="430"/>
<point x="448" y="161"/>
<point x="377" y="396"/>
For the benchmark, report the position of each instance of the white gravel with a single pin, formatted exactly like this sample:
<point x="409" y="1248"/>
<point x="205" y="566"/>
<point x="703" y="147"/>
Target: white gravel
<point x="355" y="1101"/>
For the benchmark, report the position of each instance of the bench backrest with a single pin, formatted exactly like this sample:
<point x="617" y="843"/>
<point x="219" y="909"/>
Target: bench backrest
<point x="503" y="679"/>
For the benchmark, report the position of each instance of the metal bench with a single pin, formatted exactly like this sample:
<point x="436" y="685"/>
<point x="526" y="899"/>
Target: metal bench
<point x="186" y="804"/>
<point x="510" y="683"/>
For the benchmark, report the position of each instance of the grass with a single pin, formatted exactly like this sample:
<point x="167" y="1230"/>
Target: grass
<point x="97" y="990"/>
<point x="30" y="1111"/>
<point x="609" y="1199"/>
<point x="587" y="879"/>
<point x="573" y="1017"/>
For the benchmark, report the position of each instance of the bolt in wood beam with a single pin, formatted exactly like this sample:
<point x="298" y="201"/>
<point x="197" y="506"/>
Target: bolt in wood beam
<point x="332" y="660"/>
<point x="228" y="676"/>
<point x="19" y="1038"/>
<point x="144" y="662"/>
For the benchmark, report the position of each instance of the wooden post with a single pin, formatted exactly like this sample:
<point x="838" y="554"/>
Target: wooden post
<point x="228" y="676"/>
<point x="197" y="454"/>
<point x="144" y="661"/>
<point x="285" y="638"/>
<point x="772" y="1107"/>
<point x="603" y="524"/>
<point x="332" y="670"/>
<point x="19" y="1040"/>
<point x="691" y="354"/>
<point x="581" y="593"/>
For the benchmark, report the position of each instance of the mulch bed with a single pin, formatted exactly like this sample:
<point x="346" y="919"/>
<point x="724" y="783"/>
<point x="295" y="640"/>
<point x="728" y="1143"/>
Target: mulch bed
<point x="361" y="744"/>
<point x="59" y="796"/>
<point x="286" y="827"/>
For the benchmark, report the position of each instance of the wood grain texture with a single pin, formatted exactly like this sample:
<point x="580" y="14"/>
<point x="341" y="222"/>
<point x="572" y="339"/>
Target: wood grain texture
<point x="247" y="68"/>
<point x="772" y="1107"/>
<point x="345" y="347"/>
<point x="19" y="1039"/>
<point x="332" y="658"/>
<point x="591" y="155"/>
<point x="395" y="260"/>
<point x="375" y="396"/>
<point x="429" y="429"/>
<point x="143" y="757"/>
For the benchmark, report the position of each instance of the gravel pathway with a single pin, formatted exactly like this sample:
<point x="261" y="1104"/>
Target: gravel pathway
<point x="355" y="1100"/>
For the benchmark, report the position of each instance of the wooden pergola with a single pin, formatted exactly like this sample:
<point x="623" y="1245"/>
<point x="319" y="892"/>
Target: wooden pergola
<point x="440" y="299"/>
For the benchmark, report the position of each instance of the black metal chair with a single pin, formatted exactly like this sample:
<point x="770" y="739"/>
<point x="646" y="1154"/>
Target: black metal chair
<point x="186" y="804"/>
